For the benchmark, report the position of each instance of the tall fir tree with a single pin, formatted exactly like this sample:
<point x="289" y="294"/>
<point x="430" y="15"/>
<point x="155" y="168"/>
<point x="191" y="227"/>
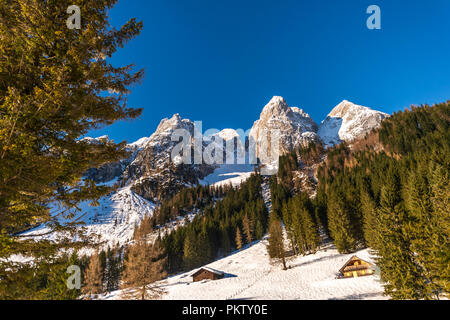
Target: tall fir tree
<point x="247" y="229"/>
<point x="399" y="272"/>
<point x="425" y="230"/>
<point x="310" y="231"/>
<point x="145" y="266"/>
<point x="369" y="209"/>
<point x="56" y="84"/>
<point x="439" y="266"/>
<point x="276" y="247"/>
<point x="238" y="238"/>
<point x="340" y="224"/>
<point x="93" y="277"/>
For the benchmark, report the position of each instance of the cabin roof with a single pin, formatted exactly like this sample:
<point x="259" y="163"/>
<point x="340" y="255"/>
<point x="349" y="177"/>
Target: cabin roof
<point x="352" y="259"/>
<point x="219" y="273"/>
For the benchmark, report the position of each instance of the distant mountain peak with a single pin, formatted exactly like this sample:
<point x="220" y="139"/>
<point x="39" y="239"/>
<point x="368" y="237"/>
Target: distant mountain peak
<point x="294" y="126"/>
<point x="228" y="134"/>
<point x="276" y="106"/>
<point x="347" y="122"/>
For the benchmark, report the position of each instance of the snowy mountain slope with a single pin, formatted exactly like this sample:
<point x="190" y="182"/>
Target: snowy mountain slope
<point x="113" y="221"/>
<point x="347" y="122"/>
<point x="235" y="169"/>
<point x="249" y="274"/>
<point x="233" y="174"/>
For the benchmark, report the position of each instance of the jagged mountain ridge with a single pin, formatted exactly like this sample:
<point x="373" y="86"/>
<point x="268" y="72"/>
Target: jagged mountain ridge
<point x="153" y="174"/>
<point x="348" y="122"/>
<point x="293" y="126"/>
<point x="150" y="175"/>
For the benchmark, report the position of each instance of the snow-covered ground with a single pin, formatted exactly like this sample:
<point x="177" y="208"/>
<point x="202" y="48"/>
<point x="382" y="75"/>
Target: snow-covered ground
<point x="114" y="220"/>
<point x="229" y="173"/>
<point x="249" y="274"/>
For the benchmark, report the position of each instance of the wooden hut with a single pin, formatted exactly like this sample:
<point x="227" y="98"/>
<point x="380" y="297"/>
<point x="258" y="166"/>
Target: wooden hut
<point x="206" y="273"/>
<point x="356" y="267"/>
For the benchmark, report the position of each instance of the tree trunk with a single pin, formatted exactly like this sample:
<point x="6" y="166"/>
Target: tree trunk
<point x="284" y="261"/>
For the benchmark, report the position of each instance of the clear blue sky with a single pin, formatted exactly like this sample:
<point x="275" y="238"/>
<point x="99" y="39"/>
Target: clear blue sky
<point x="221" y="61"/>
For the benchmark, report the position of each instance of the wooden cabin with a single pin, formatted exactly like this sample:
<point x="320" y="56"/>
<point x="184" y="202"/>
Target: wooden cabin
<point x="206" y="273"/>
<point x="356" y="267"/>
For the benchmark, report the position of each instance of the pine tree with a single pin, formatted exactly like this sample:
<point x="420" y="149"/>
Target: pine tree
<point x="426" y="229"/>
<point x="276" y="248"/>
<point x="340" y="224"/>
<point x="192" y="256"/>
<point x="225" y="240"/>
<point x="238" y="239"/>
<point x="145" y="266"/>
<point x="290" y="224"/>
<point x="259" y="230"/>
<point x="399" y="272"/>
<point x="56" y="85"/>
<point x="44" y="280"/>
<point x="112" y="271"/>
<point x="309" y="229"/>
<point x="368" y="207"/>
<point x="93" y="283"/>
<point x="439" y="266"/>
<point x="247" y="229"/>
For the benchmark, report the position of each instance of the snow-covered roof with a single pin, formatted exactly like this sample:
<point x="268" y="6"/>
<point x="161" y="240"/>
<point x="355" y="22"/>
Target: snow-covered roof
<point x="220" y="273"/>
<point x="368" y="264"/>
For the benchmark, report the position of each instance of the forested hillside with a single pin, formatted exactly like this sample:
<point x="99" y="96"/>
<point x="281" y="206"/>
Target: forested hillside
<point x="388" y="192"/>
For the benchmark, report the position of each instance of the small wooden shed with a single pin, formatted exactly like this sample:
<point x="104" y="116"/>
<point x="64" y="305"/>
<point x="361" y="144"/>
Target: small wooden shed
<point x="356" y="267"/>
<point x="206" y="273"/>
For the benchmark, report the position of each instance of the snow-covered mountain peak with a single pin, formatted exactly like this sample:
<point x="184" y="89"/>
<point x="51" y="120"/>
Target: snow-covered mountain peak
<point x="347" y="122"/>
<point x="228" y="134"/>
<point x="95" y="140"/>
<point x="139" y="143"/>
<point x="347" y="109"/>
<point x="294" y="126"/>
<point x="276" y="106"/>
<point x="173" y="123"/>
<point x="167" y="126"/>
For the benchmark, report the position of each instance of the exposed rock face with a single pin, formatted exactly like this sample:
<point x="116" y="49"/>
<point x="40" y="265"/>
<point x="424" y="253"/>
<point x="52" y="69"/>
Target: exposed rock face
<point x="153" y="173"/>
<point x="290" y="125"/>
<point x="105" y="173"/>
<point x="114" y="170"/>
<point x="347" y="122"/>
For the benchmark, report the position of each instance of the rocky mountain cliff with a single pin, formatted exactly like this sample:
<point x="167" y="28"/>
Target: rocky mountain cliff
<point x="154" y="175"/>
<point x="292" y="126"/>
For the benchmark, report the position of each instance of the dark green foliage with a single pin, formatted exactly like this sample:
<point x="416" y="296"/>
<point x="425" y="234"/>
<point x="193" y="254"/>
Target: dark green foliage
<point x="391" y="194"/>
<point x="112" y="269"/>
<point x="395" y="200"/>
<point x="402" y="276"/>
<point x="43" y="280"/>
<point x="341" y="223"/>
<point x="276" y="247"/>
<point x="300" y="226"/>
<point x="187" y="201"/>
<point x="56" y="85"/>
